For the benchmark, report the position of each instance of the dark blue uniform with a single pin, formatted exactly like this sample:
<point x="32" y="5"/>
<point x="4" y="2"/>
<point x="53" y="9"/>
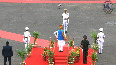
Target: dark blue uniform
<point x="7" y="53"/>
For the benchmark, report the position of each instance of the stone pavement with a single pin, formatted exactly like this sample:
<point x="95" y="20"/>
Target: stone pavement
<point x="45" y="18"/>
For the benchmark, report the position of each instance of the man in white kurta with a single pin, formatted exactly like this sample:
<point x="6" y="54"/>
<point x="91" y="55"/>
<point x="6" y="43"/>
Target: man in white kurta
<point x="61" y="38"/>
<point x="27" y="36"/>
<point x="100" y="40"/>
<point x="65" y="16"/>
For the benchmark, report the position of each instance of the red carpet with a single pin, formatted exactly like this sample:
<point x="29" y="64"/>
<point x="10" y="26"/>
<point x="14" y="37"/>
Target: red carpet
<point x="55" y="1"/>
<point x="61" y="57"/>
<point x="37" y="59"/>
<point x="19" y="38"/>
<point x="88" y="58"/>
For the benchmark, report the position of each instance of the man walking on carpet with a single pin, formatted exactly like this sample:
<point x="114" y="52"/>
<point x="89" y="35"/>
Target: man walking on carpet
<point x="85" y="46"/>
<point x="61" y="38"/>
<point x="7" y="53"/>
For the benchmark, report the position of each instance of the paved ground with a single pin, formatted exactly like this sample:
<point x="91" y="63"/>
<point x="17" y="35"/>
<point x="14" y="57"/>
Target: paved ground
<point x="45" y="18"/>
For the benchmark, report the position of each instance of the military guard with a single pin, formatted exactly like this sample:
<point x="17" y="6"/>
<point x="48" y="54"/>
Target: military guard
<point x="100" y="40"/>
<point x="85" y="45"/>
<point x="65" y="16"/>
<point x="27" y="36"/>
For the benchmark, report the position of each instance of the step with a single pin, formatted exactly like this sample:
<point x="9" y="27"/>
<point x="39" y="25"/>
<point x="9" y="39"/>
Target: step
<point x="60" y="61"/>
<point x="60" y="58"/>
<point x="61" y="64"/>
<point x="59" y="55"/>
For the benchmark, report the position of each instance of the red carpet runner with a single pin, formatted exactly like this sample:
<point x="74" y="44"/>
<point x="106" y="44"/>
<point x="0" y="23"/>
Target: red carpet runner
<point x="60" y="57"/>
<point x="19" y="38"/>
<point x="36" y="57"/>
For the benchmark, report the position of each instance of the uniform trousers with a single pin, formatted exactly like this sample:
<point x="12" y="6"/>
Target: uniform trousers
<point x="65" y="25"/>
<point x="100" y="46"/>
<point x="85" y="53"/>
<point x="27" y="41"/>
<point x="5" y="59"/>
<point x="25" y="46"/>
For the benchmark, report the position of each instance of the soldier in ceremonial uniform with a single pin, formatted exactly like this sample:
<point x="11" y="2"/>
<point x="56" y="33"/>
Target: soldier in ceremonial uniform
<point x="27" y="36"/>
<point x="100" y="40"/>
<point x="65" y="16"/>
<point x="85" y="45"/>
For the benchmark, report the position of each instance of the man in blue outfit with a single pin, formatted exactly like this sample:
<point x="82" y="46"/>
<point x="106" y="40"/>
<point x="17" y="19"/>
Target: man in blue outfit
<point x="61" y="38"/>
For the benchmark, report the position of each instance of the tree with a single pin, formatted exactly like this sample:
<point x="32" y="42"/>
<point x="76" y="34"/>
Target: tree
<point x="94" y="35"/>
<point x="36" y="35"/>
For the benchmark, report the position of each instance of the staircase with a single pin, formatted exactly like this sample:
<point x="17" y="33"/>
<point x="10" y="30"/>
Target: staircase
<point x="61" y="57"/>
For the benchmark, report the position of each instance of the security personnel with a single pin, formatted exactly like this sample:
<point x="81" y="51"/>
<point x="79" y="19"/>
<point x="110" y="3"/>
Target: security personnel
<point x="85" y="45"/>
<point x="27" y="36"/>
<point x="7" y="53"/>
<point x="65" y="16"/>
<point x="100" y="40"/>
<point x="61" y="38"/>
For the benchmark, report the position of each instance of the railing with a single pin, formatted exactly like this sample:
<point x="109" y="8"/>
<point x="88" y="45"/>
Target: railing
<point x="55" y="44"/>
<point x="67" y="49"/>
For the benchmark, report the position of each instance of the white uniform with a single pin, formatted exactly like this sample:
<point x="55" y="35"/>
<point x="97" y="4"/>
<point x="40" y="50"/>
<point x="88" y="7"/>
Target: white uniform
<point x="100" y="41"/>
<point x="65" y="19"/>
<point x="26" y="38"/>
